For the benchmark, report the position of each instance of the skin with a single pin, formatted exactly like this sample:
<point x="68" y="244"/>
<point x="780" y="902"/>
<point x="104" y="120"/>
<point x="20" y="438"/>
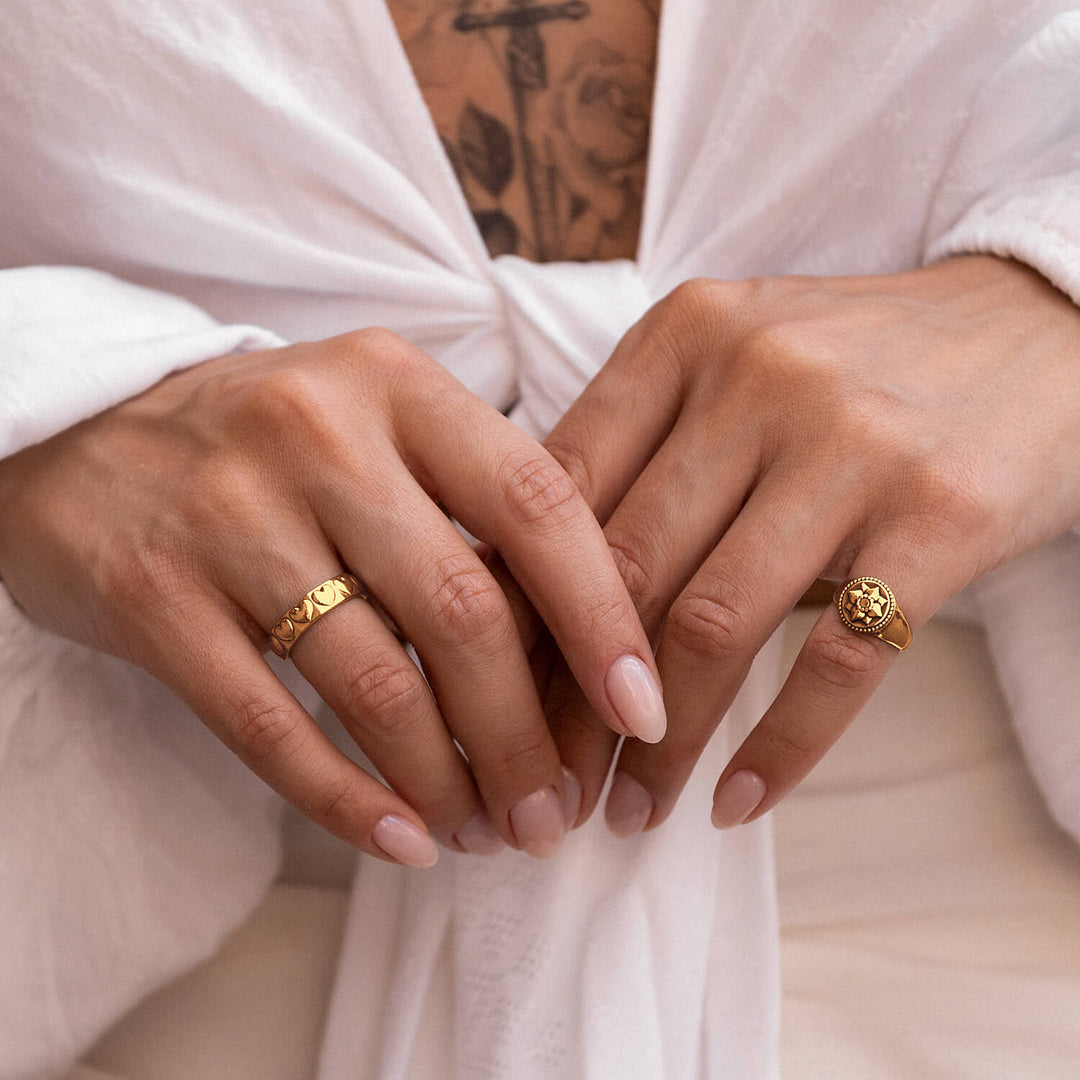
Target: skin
<point x="550" y="155"/>
<point x="174" y="530"/>
<point x="745" y="438"/>
<point x="748" y="437"/>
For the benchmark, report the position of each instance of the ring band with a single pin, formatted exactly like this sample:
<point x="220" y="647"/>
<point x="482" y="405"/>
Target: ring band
<point x="868" y="606"/>
<point x="311" y="607"/>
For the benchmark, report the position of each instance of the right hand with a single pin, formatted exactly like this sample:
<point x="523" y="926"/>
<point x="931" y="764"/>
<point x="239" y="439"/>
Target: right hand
<point x="176" y="528"/>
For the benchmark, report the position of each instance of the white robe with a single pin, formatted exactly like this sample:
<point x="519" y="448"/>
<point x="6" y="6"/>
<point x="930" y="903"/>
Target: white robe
<point x="273" y="174"/>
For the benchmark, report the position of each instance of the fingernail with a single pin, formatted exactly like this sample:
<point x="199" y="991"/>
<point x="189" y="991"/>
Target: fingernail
<point x="402" y="840"/>
<point x="637" y="699"/>
<point x="538" y="823"/>
<point x="737" y="799"/>
<point x="571" y="797"/>
<point x="478" y="836"/>
<point x="629" y="806"/>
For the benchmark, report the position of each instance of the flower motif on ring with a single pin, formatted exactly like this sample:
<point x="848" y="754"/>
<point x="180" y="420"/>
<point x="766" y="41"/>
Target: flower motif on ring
<point x="867" y="605"/>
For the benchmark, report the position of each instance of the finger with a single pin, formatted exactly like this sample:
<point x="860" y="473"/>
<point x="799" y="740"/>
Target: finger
<point x="585" y="744"/>
<point x="662" y="530"/>
<point x="362" y="672"/>
<point x="656" y="495"/>
<point x="774" y="549"/>
<point x="530" y="626"/>
<point x="508" y="491"/>
<point x="678" y="510"/>
<point x="455" y="615"/>
<point x="605" y="439"/>
<point x="542" y="660"/>
<point x="834" y="675"/>
<point x="212" y="664"/>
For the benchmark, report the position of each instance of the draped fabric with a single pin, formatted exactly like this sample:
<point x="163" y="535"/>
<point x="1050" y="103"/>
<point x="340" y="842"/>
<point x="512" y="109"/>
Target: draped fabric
<point x="191" y="178"/>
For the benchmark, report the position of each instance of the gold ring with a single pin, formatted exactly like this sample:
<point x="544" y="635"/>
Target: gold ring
<point x="311" y="607"/>
<point x="868" y="606"/>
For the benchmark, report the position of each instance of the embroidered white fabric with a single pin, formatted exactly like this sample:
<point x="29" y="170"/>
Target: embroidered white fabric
<point x="258" y="169"/>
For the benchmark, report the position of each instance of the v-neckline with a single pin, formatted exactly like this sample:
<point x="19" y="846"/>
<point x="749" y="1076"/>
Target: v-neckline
<point x="440" y="163"/>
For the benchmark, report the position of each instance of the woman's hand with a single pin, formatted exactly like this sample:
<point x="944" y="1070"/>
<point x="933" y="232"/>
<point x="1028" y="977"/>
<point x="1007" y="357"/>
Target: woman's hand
<point x="747" y="438"/>
<point x="175" y="529"/>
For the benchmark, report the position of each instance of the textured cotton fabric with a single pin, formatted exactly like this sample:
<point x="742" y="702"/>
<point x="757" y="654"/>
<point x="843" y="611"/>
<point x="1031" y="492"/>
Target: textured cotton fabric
<point x="929" y="914"/>
<point x="265" y="168"/>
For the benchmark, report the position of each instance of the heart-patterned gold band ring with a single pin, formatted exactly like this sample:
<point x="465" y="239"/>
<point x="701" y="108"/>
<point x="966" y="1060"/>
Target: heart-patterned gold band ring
<point x="868" y="606"/>
<point x="311" y="607"/>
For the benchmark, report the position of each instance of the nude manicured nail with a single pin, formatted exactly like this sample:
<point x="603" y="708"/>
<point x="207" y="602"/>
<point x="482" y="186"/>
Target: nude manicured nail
<point x="629" y="806"/>
<point x="740" y="796"/>
<point x="571" y="797"/>
<point x="478" y="836"/>
<point x="538" y="823"/>
<point x="402" y="840"/>
<point x="637" y="699"/>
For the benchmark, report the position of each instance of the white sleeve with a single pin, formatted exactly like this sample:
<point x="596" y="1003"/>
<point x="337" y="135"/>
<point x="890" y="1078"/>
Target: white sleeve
<point x="1012" y="186"/>
<point x="1013" y="189"/>
<point x="131" y="841"/>
<point x="75" y="341"/>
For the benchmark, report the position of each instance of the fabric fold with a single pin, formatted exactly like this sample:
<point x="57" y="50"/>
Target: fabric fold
<point x="132" y="843"/>
<point x="77" y="341"/>
<point x="643" y="958"/>
<point x="256" y="178"/>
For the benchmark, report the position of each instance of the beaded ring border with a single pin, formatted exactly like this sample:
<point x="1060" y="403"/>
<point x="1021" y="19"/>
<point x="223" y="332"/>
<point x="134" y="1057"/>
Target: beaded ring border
<point x="868" y="606"/>
<point x="311" y="607"/>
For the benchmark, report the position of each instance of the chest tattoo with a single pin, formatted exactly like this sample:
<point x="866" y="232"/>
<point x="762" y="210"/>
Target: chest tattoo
<point x="543" y="109"/>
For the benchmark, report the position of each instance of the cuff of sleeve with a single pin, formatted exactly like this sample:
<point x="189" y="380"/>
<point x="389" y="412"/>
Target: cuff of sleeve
<point x="75" y="341"/>
<point x="1039" y="226"/>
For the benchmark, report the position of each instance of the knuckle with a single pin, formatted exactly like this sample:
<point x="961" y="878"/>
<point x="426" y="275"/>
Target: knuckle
<point x="689" y="314"/>
<point x="373" y="342"/>
<point x="697" y="296"/>
<point x="785" y="744"/>
<point x="574" y="463"/>
<point x="389" y="361"/>
<point x="467" y="600"/>
<point x="380" y="348"/>
<point x="286" y="399"/>
<point x="261" y="730"/>
<point x="845" y="660"/>
<point x="338" y="806"/>
<point x="951" y="496"/>
<point x="527" y="753"/>
<point x="786" y="356"/>
<point x="296" y="410"/>
<point x="634" y="569"/>
<point x="607" y="619"/>
<point x="384" y="695"/>
<point x="536" y="486"/>
<point x="711" y="623"/>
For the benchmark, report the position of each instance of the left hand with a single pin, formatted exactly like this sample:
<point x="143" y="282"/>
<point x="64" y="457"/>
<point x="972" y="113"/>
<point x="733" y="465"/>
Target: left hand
<point x="747" y="438"/>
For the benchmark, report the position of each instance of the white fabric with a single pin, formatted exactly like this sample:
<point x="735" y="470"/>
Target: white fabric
<point x="282" y="171"/>
<point x="82" y="337"/>
<point x="647" y="958"/>
<point x="255" y="1012"/>
<point x="957" y="957"/>
<point x="929" y="908"/>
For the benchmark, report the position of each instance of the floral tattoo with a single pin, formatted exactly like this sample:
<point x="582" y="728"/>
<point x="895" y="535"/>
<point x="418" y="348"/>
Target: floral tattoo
<point x="552" y="157"/>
